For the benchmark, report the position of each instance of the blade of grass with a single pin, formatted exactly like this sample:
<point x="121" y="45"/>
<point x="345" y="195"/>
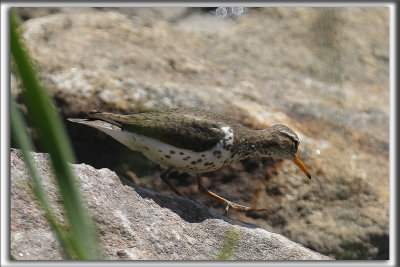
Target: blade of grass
<point x="54" y="140"/>
<point x="20" y="135"/>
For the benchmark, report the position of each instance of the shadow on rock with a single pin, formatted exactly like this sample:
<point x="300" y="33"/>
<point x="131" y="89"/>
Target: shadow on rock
<point x="188" y="209"/>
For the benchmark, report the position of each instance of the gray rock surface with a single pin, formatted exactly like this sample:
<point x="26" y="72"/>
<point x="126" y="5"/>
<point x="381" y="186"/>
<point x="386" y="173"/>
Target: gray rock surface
<point x="324" y="72"/>
<point x="138" y="224"/>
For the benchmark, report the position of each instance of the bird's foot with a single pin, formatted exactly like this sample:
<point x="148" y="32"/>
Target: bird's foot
<point x="239" y="207"/>
<point x="229" y="204"/>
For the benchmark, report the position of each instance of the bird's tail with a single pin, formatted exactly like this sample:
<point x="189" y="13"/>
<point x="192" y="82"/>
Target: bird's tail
<point x="97" y="123"/>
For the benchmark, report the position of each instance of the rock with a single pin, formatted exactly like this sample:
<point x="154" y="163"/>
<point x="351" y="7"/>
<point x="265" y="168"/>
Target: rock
<point x="324" y="72"/>
<point x="169" y="14"/>
<point x="138" y="224"/>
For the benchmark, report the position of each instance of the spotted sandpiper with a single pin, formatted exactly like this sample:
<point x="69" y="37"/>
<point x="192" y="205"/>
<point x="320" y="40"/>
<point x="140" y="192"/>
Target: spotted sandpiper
<point x="196" y="141"/>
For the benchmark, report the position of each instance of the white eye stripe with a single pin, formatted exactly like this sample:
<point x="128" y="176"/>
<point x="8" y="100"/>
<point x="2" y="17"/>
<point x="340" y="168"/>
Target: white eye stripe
<point x="291" y="135"/>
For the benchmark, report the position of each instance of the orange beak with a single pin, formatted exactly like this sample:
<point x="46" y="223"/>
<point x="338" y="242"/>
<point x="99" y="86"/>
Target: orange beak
<point x="301" y="165"/>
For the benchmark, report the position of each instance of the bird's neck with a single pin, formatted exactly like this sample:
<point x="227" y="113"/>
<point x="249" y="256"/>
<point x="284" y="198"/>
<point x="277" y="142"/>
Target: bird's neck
<point x="256" y="143"/>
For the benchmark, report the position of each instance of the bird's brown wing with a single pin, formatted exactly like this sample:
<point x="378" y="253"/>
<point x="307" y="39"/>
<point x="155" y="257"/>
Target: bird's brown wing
<point x="187" y="128"/>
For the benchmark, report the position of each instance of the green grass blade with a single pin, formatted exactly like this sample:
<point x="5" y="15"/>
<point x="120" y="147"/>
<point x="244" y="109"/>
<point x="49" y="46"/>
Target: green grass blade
<point x="20" y="135"/>
<point x="53" y="138"/>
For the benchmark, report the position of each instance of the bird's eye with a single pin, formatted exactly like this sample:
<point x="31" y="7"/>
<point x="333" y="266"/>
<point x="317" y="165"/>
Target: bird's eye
<point x="296" y="144"/>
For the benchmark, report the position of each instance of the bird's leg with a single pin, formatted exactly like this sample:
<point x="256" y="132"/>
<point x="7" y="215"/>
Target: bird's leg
<point x="164" y="176"/>
<point x="229" y="204"/>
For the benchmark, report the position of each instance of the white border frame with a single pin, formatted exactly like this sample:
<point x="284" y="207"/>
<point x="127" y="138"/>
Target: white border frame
<point x="5" y="133"/>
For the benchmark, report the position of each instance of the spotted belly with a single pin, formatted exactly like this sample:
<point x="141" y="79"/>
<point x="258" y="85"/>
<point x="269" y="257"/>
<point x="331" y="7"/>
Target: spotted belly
<point x="177" y="158"/>
<point x="183" y="159"/>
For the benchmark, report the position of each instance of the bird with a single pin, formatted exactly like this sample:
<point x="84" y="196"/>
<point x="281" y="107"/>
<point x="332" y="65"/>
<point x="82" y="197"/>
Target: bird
<point x="195" y="141"/>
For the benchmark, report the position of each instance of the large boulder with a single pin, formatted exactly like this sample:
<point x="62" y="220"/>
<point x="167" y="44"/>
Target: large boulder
<point x="135" y="223"/>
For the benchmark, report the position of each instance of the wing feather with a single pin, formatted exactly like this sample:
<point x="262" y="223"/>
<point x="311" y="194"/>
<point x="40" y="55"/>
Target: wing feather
<point x="188" y="128"/>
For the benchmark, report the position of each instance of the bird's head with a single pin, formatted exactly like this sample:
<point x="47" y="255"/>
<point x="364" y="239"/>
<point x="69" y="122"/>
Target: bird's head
<point x="284" y="144"/>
